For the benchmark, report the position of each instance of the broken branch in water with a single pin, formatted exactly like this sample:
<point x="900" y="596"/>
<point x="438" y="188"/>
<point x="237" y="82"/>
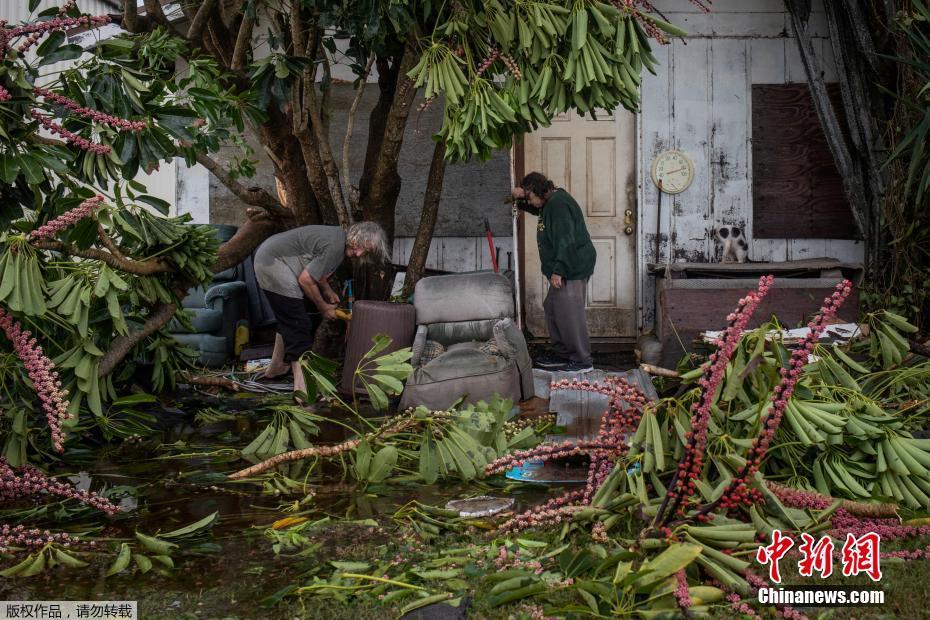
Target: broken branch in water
<point x="391" y="428"/>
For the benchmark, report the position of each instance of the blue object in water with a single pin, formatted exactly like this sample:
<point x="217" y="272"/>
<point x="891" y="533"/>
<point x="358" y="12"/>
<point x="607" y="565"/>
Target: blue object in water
<point x="540" y="472"/>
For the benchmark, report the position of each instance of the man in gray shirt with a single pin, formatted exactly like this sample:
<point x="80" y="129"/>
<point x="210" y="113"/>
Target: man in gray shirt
<point x="294" y="266"/>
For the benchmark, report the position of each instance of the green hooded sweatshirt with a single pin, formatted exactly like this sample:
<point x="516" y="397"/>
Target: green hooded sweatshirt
<point x="565" y="246"/>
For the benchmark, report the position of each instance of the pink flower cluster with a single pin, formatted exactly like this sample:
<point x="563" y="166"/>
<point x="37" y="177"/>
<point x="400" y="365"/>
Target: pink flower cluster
<point x="28" y="481"/>
<point x="487" y="62"/>
<point x="736" y="492"/>
<point x="41" y="371"/>
<point x="738" y="605"/>
<point x="100" y="117"/>
<point x="682" y="596"/>
<point x="21" y="537"/>
<point x="624" y="411"/>
<point x="5" y="94"/>
<point x="546" y="452"/>
<point x="689" y="469"/>
<point x="799" y="498"/>
<point x="70" y="136"/>
<point x="75" y="215"/>
<point x="38" y="30"/>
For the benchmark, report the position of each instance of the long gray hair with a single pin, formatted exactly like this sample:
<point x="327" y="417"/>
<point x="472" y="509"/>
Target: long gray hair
<point x="371" y="236"/>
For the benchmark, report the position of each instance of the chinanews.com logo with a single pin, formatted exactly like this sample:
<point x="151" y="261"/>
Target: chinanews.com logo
<point x="858" y="556"/>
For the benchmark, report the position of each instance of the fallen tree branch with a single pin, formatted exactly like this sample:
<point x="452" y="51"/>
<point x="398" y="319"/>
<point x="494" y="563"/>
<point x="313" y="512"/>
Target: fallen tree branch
<point x="122" y="345"/>
<point x="396" y="426"/>
<point x="139" y="268"/>
<point x="658" y="371"/>
<point x="108" y="243"/>
<point x="209" y="381"/>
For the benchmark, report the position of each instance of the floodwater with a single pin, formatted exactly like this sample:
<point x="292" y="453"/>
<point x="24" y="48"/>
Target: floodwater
<point x="178" y="477"/>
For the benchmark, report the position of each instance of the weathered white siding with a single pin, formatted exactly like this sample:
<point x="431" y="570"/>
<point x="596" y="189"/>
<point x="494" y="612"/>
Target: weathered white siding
<point x="700" y="102"/>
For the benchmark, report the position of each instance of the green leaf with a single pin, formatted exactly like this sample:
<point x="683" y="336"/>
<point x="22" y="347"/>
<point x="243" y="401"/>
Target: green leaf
<point x="52" y="43"/>
<point x="122" y="560"/>
<point x="187" y="530"/>
<point x="392" y="385"/>
<point x="9" y="169"/>
<point x="362" y="460"/>
<point x="669" y="562"/>
<point x="351" y="567"/>
<point x="383" y="464"/>
<point x="429" y="459"/>
<point x="154" y="545"/>
<point x="62" y="54"/>
<point x="423" y="602"/>
<point x="162" y="206"/>
<point x="378" y="398"/>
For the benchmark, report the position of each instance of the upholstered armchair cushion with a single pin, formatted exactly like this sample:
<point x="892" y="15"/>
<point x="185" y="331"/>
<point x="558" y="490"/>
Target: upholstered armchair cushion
<point x="470" y="317"/>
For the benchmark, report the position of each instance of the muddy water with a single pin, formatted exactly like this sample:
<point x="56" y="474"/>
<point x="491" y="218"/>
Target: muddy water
<point x="231" y="571"/>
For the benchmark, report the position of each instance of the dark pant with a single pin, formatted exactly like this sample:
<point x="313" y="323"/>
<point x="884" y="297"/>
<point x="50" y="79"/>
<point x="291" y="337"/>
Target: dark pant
<point x="565" y="318"/>
<point x="297" y="320"/>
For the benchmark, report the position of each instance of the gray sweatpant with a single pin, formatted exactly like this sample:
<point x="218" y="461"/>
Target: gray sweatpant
<point x="565" y="318"/>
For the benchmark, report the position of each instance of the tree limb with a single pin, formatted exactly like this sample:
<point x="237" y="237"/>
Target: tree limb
<point x="351" y="191"/>
<point x="297" y="37"/>
<point x="849" y="169"/>
<point x="108" y="243"/>
<point x="154" y="13"/>
<point x="326" y="157"/>
<point x="243" y="43"/>
<point x="122" y="345"/>
<point x="417" y="262"/>
<point x="195" y="30"/>
<point x="131" y="15"/>
<point x="384" y="184"/>
<point x="139" y="268"/>
<point x="253" y="196"/>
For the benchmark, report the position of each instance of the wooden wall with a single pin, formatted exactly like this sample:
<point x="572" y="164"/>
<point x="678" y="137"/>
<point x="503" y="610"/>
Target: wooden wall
<point x="700" y="102"/>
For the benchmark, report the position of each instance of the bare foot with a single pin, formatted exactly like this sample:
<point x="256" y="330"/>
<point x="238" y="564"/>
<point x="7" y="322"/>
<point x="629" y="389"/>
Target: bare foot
<point x="274" y="372"/>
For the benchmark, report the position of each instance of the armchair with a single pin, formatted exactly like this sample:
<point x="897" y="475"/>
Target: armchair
<point x="214" y="312"/>
<point x="466" y="344"/>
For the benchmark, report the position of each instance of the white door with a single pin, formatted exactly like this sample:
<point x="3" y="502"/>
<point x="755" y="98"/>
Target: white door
<point x="594" y="160"/>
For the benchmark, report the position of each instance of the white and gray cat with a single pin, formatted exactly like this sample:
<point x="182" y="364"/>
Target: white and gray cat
<point x="735" y="248"/>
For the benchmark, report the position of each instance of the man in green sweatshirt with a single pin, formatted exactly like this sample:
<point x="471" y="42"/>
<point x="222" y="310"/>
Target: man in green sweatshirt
<point x="568" y="258"/>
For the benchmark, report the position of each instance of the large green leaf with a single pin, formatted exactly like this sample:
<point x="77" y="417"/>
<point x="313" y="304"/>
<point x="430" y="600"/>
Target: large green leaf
<point x="669" y="562"/>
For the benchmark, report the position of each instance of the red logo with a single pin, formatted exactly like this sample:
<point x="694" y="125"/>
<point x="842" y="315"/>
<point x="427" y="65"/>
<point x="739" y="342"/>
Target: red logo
<point x="859" y="555"/>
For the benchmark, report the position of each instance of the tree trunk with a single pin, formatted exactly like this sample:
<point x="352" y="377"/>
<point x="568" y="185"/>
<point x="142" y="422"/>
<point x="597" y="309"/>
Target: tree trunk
<point x="417" y="263"/>
<point x="379" y="200"/>
<point x="285" y="152"/>
<point x="377" y="121"/>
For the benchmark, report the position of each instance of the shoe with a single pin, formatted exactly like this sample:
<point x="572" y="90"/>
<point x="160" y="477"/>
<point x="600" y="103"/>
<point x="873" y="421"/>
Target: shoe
<point x="575" y="367"/>
<point x="550" y="361"/>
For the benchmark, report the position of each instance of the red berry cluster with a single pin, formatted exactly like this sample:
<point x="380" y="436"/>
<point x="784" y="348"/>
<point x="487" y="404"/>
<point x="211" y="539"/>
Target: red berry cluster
<point x="691" y="465"/>
<point x="100" y="117"/>
<point x="735" y="491"/>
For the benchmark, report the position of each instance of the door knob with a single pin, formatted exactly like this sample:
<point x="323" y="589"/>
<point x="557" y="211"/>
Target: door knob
<point x="628" y="221"/>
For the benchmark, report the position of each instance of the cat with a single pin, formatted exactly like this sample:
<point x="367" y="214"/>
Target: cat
<point x="735" y="248"/>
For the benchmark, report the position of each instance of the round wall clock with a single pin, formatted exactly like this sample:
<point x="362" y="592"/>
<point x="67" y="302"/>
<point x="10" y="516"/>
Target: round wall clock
<point x="672" y="171"/>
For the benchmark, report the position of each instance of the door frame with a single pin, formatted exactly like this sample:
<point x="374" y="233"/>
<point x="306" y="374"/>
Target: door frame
<point x="518" y="165"/>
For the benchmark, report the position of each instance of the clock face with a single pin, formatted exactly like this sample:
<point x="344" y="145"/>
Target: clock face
<point x="672" y="172"/>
